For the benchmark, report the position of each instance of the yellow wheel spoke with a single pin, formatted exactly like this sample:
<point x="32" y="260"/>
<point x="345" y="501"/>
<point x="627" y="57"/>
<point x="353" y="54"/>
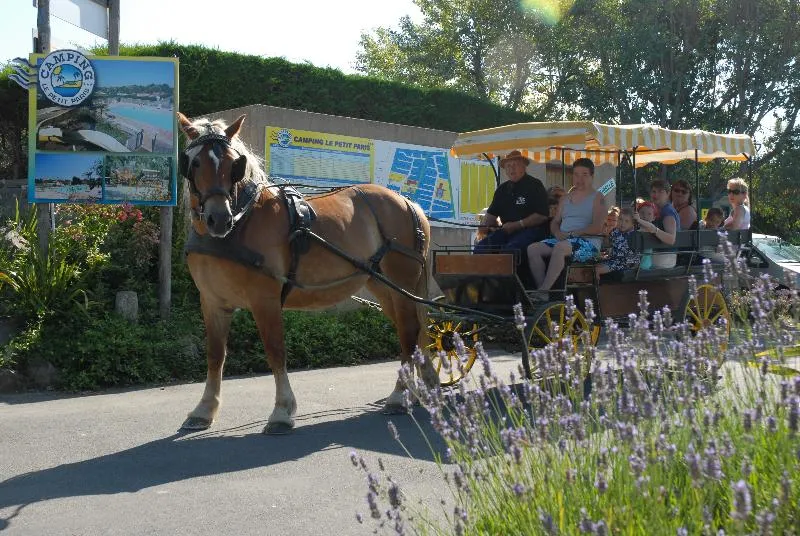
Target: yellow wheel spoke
<point x="692" y="313"/>
<point x="716" y="316"/>
<point x="542" y="335"/>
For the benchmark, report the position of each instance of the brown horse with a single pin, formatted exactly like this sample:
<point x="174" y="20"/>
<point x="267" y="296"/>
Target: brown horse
<point x="253" y="258"/>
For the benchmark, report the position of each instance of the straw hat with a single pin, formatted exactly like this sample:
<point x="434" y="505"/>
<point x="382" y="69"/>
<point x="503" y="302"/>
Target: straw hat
<point x="513" y="155"/>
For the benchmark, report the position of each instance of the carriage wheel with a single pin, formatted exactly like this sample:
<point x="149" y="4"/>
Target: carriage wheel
<point x="708" y="308"/>
<point x="443" y="349"/>
<point x="553" y="325"/>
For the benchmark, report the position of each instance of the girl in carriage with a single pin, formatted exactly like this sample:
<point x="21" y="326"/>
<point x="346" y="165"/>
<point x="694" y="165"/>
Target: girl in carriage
<point x="620" y="256"/>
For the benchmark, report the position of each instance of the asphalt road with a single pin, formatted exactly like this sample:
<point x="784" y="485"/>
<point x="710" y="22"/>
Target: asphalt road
<point x="114" y="463"/>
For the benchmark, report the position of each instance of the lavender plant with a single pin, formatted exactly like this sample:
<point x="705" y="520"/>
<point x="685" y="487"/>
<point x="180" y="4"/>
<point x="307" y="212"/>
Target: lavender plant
<point x="674" y="437"/>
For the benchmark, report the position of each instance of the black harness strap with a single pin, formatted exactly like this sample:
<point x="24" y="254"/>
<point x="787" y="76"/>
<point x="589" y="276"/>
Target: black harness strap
<point x="300" y="215"/>
<point x="391" y="244"/>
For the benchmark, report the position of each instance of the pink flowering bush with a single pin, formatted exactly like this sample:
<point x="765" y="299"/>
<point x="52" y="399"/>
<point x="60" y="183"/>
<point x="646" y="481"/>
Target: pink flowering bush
<point x="670" y="433"/>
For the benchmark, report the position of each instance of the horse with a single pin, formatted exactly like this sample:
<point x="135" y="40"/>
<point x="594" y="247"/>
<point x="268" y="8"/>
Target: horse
<point x="261" y="246"/>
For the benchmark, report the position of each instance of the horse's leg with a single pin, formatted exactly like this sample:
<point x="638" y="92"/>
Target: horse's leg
<point x="218" y="322"/>
<point x="267" y="314"/>
<point x="395" y="403"/>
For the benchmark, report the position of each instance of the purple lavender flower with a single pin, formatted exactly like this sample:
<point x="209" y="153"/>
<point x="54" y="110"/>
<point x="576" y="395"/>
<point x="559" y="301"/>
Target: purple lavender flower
<point x="600" y="483"/>
<point x="359" y="518"/>
<point x="372" y="501"/>
<point x="519" y="317"/>
<point x="354" y="458"/>
<point x="518" y="489"/>
<point x="394" y="495"/>
<point x="693" y="461"/>
<point x="393" y="430"/>
<point x="548" y="524"/>
<point x="794" y="413"/>
<point x="742" y="505"/>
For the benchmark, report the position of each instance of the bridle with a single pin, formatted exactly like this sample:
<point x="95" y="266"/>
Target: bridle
<point x="237" y="169"/>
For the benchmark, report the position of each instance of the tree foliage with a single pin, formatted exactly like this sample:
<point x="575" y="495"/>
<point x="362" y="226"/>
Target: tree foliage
<point x="723" y="65"/>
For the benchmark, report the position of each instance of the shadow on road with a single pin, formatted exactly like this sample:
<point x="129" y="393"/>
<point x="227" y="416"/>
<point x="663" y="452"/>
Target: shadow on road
<point x="184" y="456"/>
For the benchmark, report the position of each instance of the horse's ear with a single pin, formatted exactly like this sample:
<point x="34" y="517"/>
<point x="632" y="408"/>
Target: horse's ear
<point x="186" y="126"/>
<point x="233" y="130"/>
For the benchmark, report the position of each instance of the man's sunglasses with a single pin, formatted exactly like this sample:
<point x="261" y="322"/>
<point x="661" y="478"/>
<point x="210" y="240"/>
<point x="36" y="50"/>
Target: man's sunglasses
<point x="735" y="192"/>
<point x="679" y="191"/>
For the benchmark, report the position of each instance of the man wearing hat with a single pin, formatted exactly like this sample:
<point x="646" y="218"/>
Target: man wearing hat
<point x="519" y="210"/>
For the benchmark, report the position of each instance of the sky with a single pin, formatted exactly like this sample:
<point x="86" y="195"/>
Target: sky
<point x="322" y="32"/>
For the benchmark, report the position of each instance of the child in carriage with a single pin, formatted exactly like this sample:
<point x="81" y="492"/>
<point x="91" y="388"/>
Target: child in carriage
<point x="620" y="256"/>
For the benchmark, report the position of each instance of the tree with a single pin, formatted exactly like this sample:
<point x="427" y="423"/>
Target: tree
<point x="493" y="49"/>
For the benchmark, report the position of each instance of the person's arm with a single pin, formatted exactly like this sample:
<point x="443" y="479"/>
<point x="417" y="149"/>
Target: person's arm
<point x="736" y="218"/>
<point x="667" y="235"/>
<point x="555" y="223"/>
<point x="487" y="222"/>
<point x="688" y="217"/>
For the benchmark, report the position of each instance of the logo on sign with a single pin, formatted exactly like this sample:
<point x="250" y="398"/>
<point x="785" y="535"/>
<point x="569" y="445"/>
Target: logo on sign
<point x="66" y="77"/>
<point x="284" y="137"/>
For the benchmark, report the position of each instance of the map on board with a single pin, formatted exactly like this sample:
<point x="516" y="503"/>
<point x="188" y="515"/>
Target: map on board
<point x="423" y="177"/>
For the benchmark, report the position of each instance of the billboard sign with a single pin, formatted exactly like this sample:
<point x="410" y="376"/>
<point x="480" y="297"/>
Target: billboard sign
<point x="103" y="129"/>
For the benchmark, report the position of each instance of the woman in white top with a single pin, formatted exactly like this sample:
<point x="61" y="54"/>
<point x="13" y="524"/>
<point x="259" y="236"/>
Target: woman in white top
<point x="740" y="206"/>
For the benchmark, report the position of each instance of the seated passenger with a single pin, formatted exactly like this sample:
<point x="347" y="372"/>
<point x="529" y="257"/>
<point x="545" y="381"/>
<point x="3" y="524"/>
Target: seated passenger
<point x="518" y="213"/>
<point x="648" y="212"/>
<point x="739" y="217"/>
<point x="612" y="218"/>
<point x="621" y="256"/>
<point x="680" y="196"/>
<point x="713" y="220"/>
<point x="666" y="225"/>
<point x="576" y="228"/>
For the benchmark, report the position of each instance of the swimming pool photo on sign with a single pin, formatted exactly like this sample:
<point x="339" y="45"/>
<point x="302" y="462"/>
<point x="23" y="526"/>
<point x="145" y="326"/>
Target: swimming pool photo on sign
<point x="132" y="109"/>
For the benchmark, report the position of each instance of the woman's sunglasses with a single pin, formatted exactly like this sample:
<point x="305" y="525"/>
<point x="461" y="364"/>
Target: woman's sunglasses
<point x="735" y="192"/>
<point x="679" y="191"/>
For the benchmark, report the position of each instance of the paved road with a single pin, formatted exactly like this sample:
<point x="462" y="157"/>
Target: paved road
<point x="114" y="464"/>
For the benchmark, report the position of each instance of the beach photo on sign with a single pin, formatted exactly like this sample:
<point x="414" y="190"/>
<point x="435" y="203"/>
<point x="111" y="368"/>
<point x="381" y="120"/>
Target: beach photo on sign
<point x="76" y="178"/>
<point x="137" y="179"/>
<point x="131" y="109"/>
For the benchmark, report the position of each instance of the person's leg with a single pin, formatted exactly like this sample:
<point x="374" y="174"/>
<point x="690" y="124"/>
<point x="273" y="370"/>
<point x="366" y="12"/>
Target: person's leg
<point x="537" y="253"/>
<point x="561" y="251"/>
<point x="491" y="243"/>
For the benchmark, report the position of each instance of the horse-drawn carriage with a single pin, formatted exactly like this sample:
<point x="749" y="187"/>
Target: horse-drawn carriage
<point x="257" y="244"/>
<point x="491" y="283"/>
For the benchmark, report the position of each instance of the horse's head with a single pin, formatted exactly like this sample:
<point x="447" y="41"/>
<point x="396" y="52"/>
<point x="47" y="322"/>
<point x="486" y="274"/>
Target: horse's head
<point x="213" y="167"/>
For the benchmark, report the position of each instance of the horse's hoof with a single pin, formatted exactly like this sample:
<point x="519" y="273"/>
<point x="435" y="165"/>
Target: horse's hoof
<point x="278" y="428"/>
<point x="394" y="409"/>
<point x="196" y="423"/>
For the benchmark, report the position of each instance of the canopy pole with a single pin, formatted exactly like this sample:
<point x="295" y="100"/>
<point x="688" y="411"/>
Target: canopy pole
<point x="750" y="181"/>
<point x="633" y="166"/>
<point x="494" y="170"/>
<point x="697" y="193"/>
<point x="618" y="192"/>
<point x="563" y="171"/>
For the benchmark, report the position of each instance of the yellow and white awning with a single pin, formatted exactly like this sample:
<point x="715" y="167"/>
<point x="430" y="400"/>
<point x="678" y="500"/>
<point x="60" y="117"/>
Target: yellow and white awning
<point x="543" y="142"/>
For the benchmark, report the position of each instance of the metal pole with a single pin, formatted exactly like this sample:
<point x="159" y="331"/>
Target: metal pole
<point x="633" y="168"/>
<point x="113" y="27"/>
<point x="619" y="179"/>
<point x="494" y="169"/>
<point x="697" y="192"/>
<point x="750" y="182"/>
<point x="44" y="211"/>
<point x="563" y="170"/>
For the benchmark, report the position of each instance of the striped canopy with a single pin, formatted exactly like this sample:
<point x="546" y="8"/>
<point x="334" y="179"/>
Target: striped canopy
<point x="545" y="142"/>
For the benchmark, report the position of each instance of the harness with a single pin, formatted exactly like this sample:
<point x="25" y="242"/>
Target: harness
<point x="301" y="215"/>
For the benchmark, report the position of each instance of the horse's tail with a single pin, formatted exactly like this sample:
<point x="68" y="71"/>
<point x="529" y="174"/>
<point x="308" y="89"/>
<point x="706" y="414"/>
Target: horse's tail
<point x="421" y="290"/>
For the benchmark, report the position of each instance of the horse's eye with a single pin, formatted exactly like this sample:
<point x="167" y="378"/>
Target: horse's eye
<point x="195" y="163"/>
